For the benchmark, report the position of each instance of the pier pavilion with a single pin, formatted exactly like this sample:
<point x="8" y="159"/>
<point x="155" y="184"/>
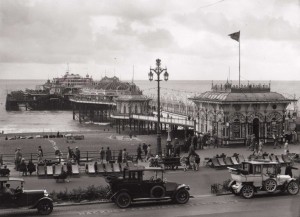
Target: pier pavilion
<point x="232" y="113"/>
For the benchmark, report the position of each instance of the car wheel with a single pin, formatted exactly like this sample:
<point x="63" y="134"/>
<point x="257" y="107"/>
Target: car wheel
<point x="293" y="188"/>
<point x="270" y="185"/>
<point x="182" y="196"/>
<point x="157" y="191"/>
<point x="247" y="191"/>
<point x="123" y="200"/>
<point x="45" y="207"/>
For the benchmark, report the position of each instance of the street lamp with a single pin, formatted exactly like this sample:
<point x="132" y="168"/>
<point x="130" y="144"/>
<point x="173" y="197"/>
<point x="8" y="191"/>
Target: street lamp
<point x="158" y="70"/>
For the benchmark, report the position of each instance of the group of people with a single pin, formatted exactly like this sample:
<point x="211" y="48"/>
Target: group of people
<point x="105" y="155"/>
<point x="73" y="155"/>
<point x="147" y="152"/>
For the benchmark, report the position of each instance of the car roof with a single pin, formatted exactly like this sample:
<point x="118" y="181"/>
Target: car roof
<point x="261" y="162"/>
<point x="7" y="178"/>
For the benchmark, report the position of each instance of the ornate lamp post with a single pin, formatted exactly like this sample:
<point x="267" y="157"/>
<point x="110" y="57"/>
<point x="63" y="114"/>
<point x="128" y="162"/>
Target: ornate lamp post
<point x="158" y="70"/>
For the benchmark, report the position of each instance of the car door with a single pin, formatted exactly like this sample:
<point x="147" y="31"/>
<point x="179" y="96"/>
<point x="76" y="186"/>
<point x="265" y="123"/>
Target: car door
<point x="256" y="175"/>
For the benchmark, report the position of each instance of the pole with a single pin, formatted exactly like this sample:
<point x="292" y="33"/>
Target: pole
<point x="159" y="152"/>
<point x="239" y="61"/>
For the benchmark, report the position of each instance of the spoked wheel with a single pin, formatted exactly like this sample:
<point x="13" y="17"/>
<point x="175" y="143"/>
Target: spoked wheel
<point x="123" y="200"/>
<point x="293" y="188"/>
<point x="45" y="207"/>
<point x="247" y="191"/>
<point x="270" y="185"/>
<point x="182" y="196"/>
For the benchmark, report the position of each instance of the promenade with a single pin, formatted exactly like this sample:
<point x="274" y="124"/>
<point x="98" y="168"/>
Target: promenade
<point x="199" y="181"/>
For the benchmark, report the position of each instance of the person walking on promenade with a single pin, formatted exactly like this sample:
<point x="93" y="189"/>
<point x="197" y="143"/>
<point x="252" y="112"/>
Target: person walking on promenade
<point x="23" y="167"/>
<point x="275" y="141"/>
<point x="288" y="170"/>
<point x="139" y="153"/>
<point x="18" y="158"/>
<point x="77" y="155"/>
<point x="260" y="148"/>
<point x="145" y="149"/>
<point x="41" y="150"/>
<point x="39" y="156"/>
<point x="124" y="156"/>
<point x="70" y="153"/>
<point x="30" y="167"/>
<point x="108" y="155"/>
<point x="194" y="141"/>
<point x="149" y="155"/>
<point x="199" y="141"/>
<point x="285" y="147"/>
<point x="120" y="156"/>
<point x="102" y="155"/>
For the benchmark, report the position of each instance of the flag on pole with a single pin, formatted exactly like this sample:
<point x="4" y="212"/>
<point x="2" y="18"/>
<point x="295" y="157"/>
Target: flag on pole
<point x="235" y="36"/>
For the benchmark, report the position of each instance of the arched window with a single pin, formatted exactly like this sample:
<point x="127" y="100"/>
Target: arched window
<point x="136" y="109"/>
<point x="124" y="109"/>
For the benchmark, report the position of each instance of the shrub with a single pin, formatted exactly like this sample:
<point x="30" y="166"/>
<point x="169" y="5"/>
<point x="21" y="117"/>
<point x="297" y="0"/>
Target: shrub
<point x="79" y="194"/>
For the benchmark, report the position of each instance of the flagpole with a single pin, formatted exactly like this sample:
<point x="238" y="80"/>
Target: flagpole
<point x="239" y="61"/>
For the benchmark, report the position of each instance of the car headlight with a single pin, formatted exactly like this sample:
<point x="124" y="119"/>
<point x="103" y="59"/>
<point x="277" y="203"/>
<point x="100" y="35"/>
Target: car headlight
<point x="46" y="193"/>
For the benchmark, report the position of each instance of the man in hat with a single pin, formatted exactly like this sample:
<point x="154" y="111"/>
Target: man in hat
<point x="18" y="158"/>
<point x="77" y="155"/>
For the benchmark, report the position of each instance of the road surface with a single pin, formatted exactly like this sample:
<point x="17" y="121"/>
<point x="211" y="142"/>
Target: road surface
<point x="204" y="206"/>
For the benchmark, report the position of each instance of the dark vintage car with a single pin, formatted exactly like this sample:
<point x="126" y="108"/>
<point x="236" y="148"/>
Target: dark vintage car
<point x="17" y="197"/>
<point x="145" y="184"/>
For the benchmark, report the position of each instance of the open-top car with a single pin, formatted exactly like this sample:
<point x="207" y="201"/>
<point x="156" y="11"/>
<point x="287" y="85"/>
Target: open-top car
<point x="12" y="196"/>
<point x="144" y="184"/>
<point x="254" y="176"/>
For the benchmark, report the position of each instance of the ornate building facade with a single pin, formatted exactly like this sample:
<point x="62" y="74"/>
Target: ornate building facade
<point x="233" y="113"/>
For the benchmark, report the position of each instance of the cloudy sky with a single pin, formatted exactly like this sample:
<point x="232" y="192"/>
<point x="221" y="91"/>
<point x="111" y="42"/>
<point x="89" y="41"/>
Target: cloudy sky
<point x="39" y="37"/>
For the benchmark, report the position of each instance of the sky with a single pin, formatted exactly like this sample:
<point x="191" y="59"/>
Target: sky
<point x="39" y="39"/>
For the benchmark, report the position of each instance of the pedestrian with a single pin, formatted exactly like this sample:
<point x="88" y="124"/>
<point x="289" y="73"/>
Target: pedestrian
<point x="30" y="167"/>
<point x="124" y="156"/>
<point x="120" y="156"/>
<point x="286" y="147"/>
<point x="149" y="152"/>
<point x="102" y="155"/>
<point x="5" y="171"/>
<point x="192" y="161"/>
<point x="145" y="149"/>
<point x="77" y="155"/>
<point x="18" y="158"/>
<point x="168" y="148"/>
<point x="288" y="170"/>
<point x="23" y="167"/>
<point x="194" y="141"/>
<point x="70" y="153"/>
<point x="108" y="155"/>
<point x="139" y="153"/>
<point x="39" y="156"/>
<point x="41" y="150"/>
<point x="275" y="141"/>
<point x="176" y="148"/>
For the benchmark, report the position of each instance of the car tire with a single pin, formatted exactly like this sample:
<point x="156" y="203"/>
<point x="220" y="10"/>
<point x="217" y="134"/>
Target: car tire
<point x="123" y="200"/>
<point x="247" y="191"/>
<point x="45" y="207"/>
<point x="270" y="185"/>
<point x="293" y="188"/>
<point x="157" y="191"/>
<point x="182" y="196"/>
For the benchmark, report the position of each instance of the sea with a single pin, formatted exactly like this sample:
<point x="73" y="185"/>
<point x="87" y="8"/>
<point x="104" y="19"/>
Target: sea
<point x="52" y="121"/>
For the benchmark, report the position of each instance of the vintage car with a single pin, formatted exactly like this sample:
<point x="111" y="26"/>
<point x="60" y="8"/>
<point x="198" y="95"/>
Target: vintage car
<point x="254" y="176"/>
<point x="20" y="198"/>
<point x="145" y="184"/>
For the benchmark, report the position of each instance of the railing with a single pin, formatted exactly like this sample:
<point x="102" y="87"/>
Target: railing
<point x="91" y="101"/>
<point x="169" y="120"/>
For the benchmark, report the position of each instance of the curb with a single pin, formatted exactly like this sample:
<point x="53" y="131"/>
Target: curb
<point x="80" y="203"/>
<point x="108" y="201"/>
